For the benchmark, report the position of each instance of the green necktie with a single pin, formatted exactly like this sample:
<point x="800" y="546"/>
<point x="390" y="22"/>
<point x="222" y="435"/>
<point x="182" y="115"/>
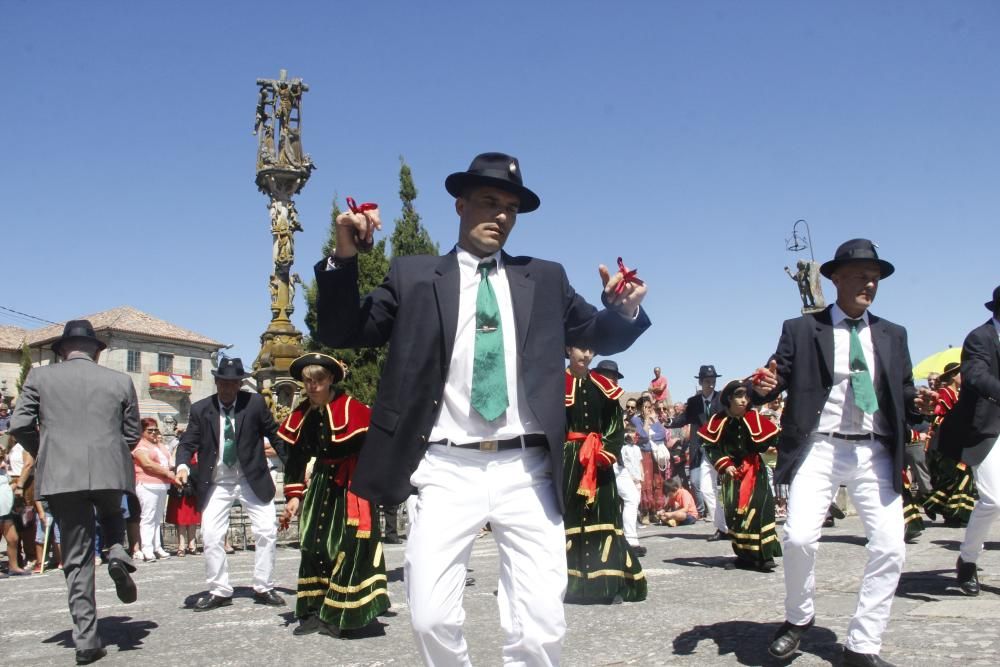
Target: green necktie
<point x="489" y="373"/>
<point x="861" y="379"/>
<point x="229" y="439"/>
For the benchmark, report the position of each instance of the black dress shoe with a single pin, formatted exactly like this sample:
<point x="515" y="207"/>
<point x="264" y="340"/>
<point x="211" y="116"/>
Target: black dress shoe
<point x="89" y="655"/>
<point x="854" y="659"/>
<point x="968" y="578"/>
<point x="392" y="539"/>
<point x="269" y="598"/>
<point x="124" y="586"/>
<point x="639" y="551"/>
<point x="786" y="639"/>
<point x="835" y="511"/>
<point x="307" y="626"/>
<point x="210" y="602"/>
<point x="717" y="535"/>
<point x="828" y="522"/>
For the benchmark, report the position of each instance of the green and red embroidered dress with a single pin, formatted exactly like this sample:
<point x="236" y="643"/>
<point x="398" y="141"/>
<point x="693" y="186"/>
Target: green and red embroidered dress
<point x="601" y="565"/>
<point x="954" y="492"/>
<point x="747" y="497"/>
<point x="342" y="571"/>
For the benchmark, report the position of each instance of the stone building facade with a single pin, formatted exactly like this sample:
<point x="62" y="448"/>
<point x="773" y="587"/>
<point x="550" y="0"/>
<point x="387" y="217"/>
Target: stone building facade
<point x="170" y="366"/>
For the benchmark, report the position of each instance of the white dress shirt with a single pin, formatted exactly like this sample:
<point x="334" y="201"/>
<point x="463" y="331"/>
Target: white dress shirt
<point x="457" y="420"/>
<point x="224" y="474"/>
<point x="841" y="414"/>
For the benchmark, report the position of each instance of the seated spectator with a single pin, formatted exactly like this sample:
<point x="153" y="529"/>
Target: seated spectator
<point x="680" y="509"/>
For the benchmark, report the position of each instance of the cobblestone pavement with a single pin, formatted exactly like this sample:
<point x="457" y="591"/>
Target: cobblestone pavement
<point x="697" y="613"/>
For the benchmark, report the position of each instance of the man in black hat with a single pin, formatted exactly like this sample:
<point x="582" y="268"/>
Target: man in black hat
<point x="470" y="409"/>
<point x="704" y="477"/>
<point x="850" y="396"/>
<point x="970" y="434"/>
<point x="80" y="421"/>
<point x="226" y="431"/>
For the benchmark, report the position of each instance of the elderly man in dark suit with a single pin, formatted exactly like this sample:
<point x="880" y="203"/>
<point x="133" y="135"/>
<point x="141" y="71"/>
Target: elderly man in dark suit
<point x="226" y="431"/>
<point x="850" y="396"/>
<point x="969" y="433"/>
<point x="704" y="477"/>
<point x="81" y="421"/>
<point x="470" y="405"/>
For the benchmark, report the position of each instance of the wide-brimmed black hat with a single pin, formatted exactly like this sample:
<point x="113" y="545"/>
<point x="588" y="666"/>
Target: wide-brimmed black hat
<point x="951" y="369"/>
<point x="609" y="368"/>
<point x="231" y="368"/>
<point x="706" y="371"/>
<point x="78" y="329"/>
<point x="336" y="368"/>
<point x="498" y="170"/>
<point x="856" y="250"/>
<point x="731" y="387"/>
<point x="993" y="305"/>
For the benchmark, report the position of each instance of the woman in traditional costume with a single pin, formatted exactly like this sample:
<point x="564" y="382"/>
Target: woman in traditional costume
<point x="342" y="580"/>
<point x="602" y="567"/>
<point x="953" y="489"/>
<point x="734" y="439"/>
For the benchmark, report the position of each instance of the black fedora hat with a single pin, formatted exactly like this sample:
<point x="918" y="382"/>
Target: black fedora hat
<point x="231" y="368"/>
<point x="706" y="371"/>
<point x="609" y="368"/>
<point x="856" y="250"/>
<point x="993" y="305"/>
<point x="77" y="330"/>
<point x="335" y="366"/>
<point x="495" y="169"/>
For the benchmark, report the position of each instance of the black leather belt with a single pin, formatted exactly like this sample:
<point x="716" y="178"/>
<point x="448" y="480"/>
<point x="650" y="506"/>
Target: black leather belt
<point x="852" y="437"/>
<point x="530" y="440"/>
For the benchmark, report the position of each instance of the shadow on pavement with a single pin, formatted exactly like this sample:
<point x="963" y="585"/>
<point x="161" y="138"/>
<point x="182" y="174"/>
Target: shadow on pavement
<point x="701" y="537"/>
<point x="700" y="561"/>
<point x="858" y="540"/>
<point x="241" y="592"/>
<point x="395" y="574"/>
<point x="120" y="631"/>
<point x="748" y="642"/>
<point x="929" y="585"/>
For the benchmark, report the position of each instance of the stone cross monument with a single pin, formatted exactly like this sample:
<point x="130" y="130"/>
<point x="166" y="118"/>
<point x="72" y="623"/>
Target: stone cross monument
<point x="282" y="171"/>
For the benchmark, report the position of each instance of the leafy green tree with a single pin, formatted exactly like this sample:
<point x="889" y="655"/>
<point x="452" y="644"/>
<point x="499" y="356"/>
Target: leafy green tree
<point x="25" y="366"/>
<point x="409" y="237"/>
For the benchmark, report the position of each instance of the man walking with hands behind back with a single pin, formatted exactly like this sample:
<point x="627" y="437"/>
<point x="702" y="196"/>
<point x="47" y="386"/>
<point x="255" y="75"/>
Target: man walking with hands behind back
<point x="81" y="421"/>
<point x="469" y="409"/>
<point x="226" y="430"/>
<point x="850" y="394"/>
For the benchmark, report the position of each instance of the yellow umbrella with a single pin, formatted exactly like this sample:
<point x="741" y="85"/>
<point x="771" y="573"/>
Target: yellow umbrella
<point x="936" y="362"/>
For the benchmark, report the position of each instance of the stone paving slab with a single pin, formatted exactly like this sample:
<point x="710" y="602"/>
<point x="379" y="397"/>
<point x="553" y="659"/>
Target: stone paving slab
<point x="697" y="612"/>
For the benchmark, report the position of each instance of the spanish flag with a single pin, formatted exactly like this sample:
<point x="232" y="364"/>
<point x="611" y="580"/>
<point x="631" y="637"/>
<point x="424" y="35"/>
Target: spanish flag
<point x="172" y="381"/>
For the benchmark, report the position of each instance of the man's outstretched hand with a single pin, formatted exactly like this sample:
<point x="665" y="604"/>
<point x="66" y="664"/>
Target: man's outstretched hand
<point x="623" y="298"/>
<point x="356" y="231"/>
<point x="765" y="380"/>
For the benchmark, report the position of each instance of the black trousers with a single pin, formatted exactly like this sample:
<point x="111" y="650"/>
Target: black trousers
<point x="77" y="514"/>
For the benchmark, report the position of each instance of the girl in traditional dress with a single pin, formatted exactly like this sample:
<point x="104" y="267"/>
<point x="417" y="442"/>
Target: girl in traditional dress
<point x="342" y="580"/>
<point x="602" y="567"/>
<point x="733" y="439"/>
<point x="953" y="488"/>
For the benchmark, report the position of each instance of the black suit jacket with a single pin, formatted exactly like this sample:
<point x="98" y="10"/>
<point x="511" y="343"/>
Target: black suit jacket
<point x="694" y="416"/>
<point x="253" y="422"/>
<point x="416" y="310"/>
<point x="974" y="422"/>
<point x="805" y="369"/>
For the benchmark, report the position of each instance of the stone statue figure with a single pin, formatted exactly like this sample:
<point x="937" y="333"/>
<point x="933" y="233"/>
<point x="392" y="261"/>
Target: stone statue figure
<point x="292" y="282"/>
<point x="807" y="279"/>
<point x="273" y="283"/>
<point x="283" y="251"/>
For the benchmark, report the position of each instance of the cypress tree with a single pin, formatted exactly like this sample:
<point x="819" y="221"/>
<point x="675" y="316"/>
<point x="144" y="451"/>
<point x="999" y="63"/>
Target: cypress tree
<point x="25" y="366"/>
<point x="409" y="237"/>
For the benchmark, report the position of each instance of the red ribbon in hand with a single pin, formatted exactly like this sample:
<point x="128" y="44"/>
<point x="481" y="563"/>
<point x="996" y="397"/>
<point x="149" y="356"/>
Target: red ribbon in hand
<point x="355" y="208"/>
<point x="758" y="376"/>
<point x="628" y="277"/>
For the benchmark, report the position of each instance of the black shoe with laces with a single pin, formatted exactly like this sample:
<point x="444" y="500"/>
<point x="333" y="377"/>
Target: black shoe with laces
<point x="786" y="639"/>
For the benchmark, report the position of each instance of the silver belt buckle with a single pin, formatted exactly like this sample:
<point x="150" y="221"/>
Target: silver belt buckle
<point x="487" y="445"/>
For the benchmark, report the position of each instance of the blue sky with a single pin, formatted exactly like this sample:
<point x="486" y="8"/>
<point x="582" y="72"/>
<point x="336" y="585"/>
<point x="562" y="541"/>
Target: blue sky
<point x="685" y="137"/>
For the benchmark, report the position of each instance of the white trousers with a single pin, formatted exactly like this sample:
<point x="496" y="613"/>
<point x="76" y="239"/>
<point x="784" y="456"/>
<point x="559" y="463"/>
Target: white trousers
<point x="153" y="505"/>
<point x="987" y="476"/>
<point x="215" y="525"/>
<point x="630" y="496"/>
<point x="866" y="469"/>
<point x="459" y="490"/>
<point x="708" y="482"/>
